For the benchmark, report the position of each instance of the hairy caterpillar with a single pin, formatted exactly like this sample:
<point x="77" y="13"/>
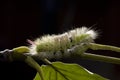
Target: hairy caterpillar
<point x="55" y="46"/>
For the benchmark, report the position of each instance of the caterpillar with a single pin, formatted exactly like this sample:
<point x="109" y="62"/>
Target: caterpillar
<point x="55" y="46"/>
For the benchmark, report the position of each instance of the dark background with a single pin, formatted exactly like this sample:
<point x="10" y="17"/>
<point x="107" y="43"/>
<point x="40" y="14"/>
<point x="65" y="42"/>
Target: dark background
<point x="28" y="19"/>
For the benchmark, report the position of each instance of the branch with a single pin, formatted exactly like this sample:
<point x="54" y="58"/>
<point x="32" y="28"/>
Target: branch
<point x="100" y="58"/>
<point x="31" y="62"/>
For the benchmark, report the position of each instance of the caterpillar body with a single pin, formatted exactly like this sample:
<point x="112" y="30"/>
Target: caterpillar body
<point x="55" y="46"/>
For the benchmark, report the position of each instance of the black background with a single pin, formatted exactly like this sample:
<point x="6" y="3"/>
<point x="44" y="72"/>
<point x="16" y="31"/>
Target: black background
<point x="28" y="19"/>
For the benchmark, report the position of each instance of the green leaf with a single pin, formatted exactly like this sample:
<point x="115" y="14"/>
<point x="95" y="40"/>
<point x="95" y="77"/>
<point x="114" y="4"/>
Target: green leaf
<point x="65" y="71"/>
<point x="21" y="50"/>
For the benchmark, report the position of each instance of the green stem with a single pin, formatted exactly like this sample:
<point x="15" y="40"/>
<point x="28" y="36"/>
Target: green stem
<point x="100" y="58"/>
<point x="31" y="62"/>
<point x="47" y="61"/>
<point x="95" y="46"/>
<point x="80" y="50"/>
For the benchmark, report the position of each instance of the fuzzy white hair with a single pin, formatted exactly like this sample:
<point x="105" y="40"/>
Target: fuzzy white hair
<point x="50" y="46"/>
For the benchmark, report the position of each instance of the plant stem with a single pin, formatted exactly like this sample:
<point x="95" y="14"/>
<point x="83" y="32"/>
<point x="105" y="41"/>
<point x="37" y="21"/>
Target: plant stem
<point x="47" y="61"/>
<point x="95" y="46"/>
<point x="80" y="50"/>
<point x="100" y="58"/>
<point x="31" y="62"/>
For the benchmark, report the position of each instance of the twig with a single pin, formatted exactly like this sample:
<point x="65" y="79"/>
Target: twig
<point x="31" y="62"/>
